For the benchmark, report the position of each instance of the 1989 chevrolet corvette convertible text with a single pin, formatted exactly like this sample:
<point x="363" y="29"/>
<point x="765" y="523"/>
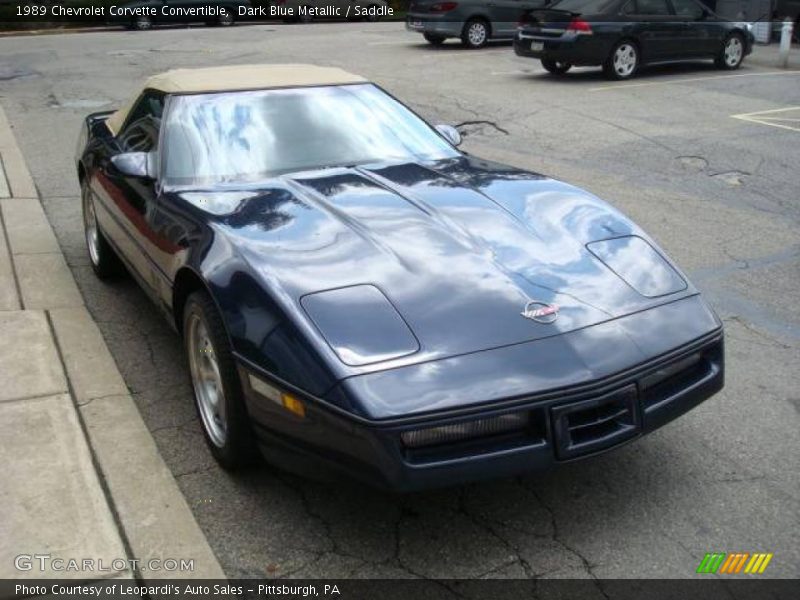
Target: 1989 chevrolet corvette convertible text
<point x="357" y="295"/>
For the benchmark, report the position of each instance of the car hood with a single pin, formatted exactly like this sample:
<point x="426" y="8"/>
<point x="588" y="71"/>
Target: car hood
<point x="439" y="259"/>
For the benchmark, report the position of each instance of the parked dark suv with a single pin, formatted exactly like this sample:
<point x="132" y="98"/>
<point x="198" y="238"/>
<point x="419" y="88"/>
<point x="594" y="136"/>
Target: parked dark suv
<point x="475" y="22"/>
<point x="622" y="35"/>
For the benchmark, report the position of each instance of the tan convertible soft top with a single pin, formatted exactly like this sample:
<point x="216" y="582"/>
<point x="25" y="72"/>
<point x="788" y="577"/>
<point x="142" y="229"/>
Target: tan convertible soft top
<point x="237" y="77"/>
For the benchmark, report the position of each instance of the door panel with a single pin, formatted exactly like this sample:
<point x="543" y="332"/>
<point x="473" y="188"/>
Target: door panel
<point x="698" y="32"/>
<point x="655" y="27"/>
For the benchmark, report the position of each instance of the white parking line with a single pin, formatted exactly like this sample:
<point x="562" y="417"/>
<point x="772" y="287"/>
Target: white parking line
<point x="764" y="117"/>
<point x="624" y="86"/>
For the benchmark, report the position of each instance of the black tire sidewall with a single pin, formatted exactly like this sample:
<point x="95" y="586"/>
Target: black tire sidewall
<point x="434" y="39"/>
<point x="239" y="449"/>
<point x="552" y="66"/>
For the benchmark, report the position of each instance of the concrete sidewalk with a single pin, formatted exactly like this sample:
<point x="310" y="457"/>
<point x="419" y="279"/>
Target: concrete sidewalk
<point x="82" y="477"/>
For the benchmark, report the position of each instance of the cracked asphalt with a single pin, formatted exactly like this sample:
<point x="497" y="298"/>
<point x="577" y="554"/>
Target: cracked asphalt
<point x="721" y="194"/>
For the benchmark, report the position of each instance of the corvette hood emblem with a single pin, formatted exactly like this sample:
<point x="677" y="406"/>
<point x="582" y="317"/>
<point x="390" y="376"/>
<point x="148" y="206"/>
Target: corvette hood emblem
<point x="541" y="312"/>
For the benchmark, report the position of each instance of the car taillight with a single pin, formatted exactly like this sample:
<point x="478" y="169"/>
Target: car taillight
<point x="580" y="27"/>
<point x="443" y="7"/>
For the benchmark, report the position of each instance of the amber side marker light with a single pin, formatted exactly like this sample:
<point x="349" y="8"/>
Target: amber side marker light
<point x="294" y="405"/>
<point x="287" y="401"/>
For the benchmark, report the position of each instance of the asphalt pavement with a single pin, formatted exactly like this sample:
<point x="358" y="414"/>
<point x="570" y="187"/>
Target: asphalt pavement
<point x="706" y="161"/>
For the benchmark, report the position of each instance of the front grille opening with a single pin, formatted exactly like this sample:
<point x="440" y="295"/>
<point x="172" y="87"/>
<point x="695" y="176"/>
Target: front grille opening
<point x="677" y="377"/>
<point x="591" y="425"/>
<point x="598" y="423"/>
<point x="476" y="437"/>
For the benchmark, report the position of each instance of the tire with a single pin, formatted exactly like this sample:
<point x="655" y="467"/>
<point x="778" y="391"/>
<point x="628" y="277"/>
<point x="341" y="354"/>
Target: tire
<point x="623" y="61"/>
<point x="371" y="18"/>
<point x="732" y="53"/>
<point x="555" y="67"/>
<point x="475" y="34"/>
<point x="436" y="40"/>
<point x="226" y="18"/>
<point x="306" y="18"/>
<point x="212" y="371"/>
<point x="105" y="262"/>
<point x="142" y="23"/>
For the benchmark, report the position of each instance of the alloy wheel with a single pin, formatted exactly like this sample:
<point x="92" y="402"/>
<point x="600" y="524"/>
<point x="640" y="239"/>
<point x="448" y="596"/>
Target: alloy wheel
<point x="225" y="18"/>
<point x="90" y="227"/>
<point x="206" y="380"/>
<point x="477" y="34"/>
<point x="143" y="23"/>
<point x="733" y="51"/>
<point x="625" y="59"/>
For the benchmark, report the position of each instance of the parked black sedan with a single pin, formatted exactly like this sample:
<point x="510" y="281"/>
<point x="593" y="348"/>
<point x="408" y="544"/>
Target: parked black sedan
<point x="355" y="293"/>
<point x="623" y="35"/>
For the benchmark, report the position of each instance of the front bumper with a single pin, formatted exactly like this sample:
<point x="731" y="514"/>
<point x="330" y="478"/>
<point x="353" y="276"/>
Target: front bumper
<point x="564" y="424"/>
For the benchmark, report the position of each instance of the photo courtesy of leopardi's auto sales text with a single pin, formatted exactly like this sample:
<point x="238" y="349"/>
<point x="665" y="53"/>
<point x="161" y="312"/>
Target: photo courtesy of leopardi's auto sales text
<point x="399" y="299"/>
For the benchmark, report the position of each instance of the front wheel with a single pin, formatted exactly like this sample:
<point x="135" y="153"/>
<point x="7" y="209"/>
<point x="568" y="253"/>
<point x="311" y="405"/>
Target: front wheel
<point x="556" y="67"/>
<point x="372" y="15"/>
<point x="623" y="61"/>
<point x="436" y="40"/>
<point x="217" y="391"/>
<point x="102" y="257"/>
<point x="226" y="18"/>
<point x="732" y="53"/>
<point x="475" y="33"/>
<point x="142" y="23"/>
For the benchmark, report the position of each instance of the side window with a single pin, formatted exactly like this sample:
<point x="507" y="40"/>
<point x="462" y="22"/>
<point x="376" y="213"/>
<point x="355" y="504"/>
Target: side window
<point x="687" y="8"/>
<point x="652" y="7"/>
<point x="629" y="8"/>
<point x="140" y="133"/>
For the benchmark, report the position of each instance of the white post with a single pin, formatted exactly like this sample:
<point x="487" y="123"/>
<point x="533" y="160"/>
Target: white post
<point x="786" y="43"/>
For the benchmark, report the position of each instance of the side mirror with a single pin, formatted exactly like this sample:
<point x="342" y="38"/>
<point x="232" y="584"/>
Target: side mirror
<point x="450" y="133"/>
<point x="136" y="164"/>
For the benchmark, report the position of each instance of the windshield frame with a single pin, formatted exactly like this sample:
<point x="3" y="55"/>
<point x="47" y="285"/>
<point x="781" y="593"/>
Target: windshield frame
<point x="169" y="106"/>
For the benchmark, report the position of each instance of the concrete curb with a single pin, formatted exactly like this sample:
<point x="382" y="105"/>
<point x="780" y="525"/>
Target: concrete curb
<point x="151" y="513"/>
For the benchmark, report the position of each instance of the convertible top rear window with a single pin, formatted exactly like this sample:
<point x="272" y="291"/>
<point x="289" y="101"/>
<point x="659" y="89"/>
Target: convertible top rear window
<point x="248" y="136"/>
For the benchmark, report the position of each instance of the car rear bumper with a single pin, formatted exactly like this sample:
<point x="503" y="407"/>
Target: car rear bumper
<point x="442" y="25"/>
<point x="562" y="425"/>
<point x="583" y="50"/>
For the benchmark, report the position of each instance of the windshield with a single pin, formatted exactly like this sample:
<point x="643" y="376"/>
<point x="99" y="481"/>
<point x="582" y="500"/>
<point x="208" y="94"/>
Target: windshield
<point x="247" y="136"/>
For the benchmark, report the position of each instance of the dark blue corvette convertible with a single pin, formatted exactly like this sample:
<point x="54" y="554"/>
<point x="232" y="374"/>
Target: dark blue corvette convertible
<point x="356" y="294"/>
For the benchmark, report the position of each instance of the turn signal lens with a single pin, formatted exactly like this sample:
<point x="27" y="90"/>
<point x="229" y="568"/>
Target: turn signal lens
<point x="443" y="6"/>
<point x="287" y="401"/>
<point x="294" y="405"/>
<point x="514" y="422"/>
